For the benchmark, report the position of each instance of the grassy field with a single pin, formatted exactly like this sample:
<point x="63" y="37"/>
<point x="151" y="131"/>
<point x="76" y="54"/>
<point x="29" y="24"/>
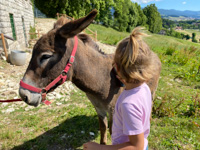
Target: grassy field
<point x="175" y="121"/>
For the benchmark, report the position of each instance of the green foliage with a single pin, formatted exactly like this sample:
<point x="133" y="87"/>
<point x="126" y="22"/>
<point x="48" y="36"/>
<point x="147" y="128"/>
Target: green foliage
<point x="51" y="7"/>
<point x="126" y="16"/>
<point x="170" y="50"/>
<point x="142" y="19"/>
<point x="194" y="108"/>
<point x="169" y="106"/>
<point x="32" y="1"/>
<point x="121" y="15"/>
<point x="187" y="37"/>
<point x="189" y="24"/>
<point x="193" y="37"/>
<point x="166" y="106"/>
<point x="190" y="71"/>
<point x="166" y="23"/>
<point x="32" y="32"/>
<point x="173" y="33"/>
<point x="187" y="60"/>
<point x="154" y="20"/>
<point x="105" y="12"/>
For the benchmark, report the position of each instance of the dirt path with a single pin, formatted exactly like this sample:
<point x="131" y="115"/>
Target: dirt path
<point x="11" y="75"/>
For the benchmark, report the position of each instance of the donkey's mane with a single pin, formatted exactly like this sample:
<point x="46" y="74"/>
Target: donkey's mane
<point x="87" y="39"/>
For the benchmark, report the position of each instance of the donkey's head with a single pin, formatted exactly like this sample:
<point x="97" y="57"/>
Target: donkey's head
<point x="50" y="56"/>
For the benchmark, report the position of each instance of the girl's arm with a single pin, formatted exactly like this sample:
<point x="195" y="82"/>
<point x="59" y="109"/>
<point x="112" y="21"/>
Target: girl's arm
<point x="136" y="142"/>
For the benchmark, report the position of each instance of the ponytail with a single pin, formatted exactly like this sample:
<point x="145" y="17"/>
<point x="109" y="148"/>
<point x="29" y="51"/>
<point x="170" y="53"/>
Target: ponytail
<point x="132" y="49"/>
<point x="133" y="58"/>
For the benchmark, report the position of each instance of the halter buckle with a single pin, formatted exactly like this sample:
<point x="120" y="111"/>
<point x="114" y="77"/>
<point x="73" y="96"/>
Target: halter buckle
<point x="71" y="59"/>
<point x="63" y="73"/>
<point x="44" y="91"/>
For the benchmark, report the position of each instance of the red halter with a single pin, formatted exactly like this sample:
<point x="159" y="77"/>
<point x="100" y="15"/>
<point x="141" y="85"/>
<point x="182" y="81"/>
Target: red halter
<point x="62" y="76"/>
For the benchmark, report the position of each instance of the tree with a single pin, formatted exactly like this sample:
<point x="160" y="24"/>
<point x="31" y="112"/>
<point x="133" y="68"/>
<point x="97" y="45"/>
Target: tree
<point x="125" y="15"/>
<point x="142" y="19"/>
<point x="77" y="8"/>
<point x="154" y="20"/>
<point x="121" y="15"/>
<point x="166" y="23"/>
<point x="106" y="13"/>
<point x="133" y="17"/>
<point x="51" y="7"/>
<point x="187" y="37"/>
<point x="193" y="37"/>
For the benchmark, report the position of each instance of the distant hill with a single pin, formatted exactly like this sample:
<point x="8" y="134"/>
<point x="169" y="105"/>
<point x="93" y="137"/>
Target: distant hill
<point x="187" y="14"/>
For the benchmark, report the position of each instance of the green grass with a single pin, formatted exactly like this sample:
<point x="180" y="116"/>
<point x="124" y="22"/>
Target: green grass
<point x="174" y="133"/>
<point x="175" y="122"/>
<point x="107" y="35"/>
<point x="47" y="127"/>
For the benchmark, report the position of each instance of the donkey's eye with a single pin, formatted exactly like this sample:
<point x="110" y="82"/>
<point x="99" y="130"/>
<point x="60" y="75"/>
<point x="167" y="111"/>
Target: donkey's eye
<point x="45" y="57"/>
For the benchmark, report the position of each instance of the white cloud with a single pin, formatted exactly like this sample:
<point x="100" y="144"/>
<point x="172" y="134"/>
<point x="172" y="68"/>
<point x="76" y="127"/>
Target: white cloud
<point x="144" y="1"/>
<point x="183" y="3"/>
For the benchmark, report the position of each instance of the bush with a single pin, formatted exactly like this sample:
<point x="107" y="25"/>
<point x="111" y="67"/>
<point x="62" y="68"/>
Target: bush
<point x="32" y="33"/>
<point x="194" y="108"/>
<point x="170" y="50"/>
<point x="170" y="107"/>
<point x="194" y="40"/>
<point x="190" y="71"/>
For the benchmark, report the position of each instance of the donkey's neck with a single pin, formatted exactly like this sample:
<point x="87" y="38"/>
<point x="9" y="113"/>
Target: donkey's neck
<point x="92" y="70"/>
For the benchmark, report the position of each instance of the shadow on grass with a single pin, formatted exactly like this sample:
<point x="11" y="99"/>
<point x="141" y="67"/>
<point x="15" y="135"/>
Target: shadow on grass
<point x="70" y="134"/>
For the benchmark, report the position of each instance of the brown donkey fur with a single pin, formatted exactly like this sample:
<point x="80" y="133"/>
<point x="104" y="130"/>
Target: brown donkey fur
<point x="91" y="72"/>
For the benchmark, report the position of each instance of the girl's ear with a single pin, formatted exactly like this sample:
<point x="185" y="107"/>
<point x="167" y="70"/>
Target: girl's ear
<point x="72" y="28"/>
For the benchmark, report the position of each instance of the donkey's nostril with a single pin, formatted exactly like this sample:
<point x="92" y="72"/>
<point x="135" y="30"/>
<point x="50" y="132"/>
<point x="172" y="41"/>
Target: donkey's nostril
<point x="26" y="99"/>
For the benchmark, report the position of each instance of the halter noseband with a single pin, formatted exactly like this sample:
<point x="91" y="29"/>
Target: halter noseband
<point x="62" y="76"/>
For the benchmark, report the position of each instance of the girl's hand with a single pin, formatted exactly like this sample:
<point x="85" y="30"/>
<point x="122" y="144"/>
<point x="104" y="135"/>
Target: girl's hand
<point x="91" y="146"/>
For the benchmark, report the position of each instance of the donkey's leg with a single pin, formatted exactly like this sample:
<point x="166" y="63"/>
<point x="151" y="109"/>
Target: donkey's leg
<point x="111" y="111"/>
<point x="102" y="115"/>
<point x="103" y="124"/>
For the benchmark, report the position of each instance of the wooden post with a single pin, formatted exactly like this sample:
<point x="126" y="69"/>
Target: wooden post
<point x="4" y="46"/>
<point x="38" y="34"/>
<point x="96" y="36"/>
<point x="57" y="15"/>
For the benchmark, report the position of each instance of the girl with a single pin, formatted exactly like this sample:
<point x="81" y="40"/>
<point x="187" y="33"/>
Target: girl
<point x="131" y="120"/>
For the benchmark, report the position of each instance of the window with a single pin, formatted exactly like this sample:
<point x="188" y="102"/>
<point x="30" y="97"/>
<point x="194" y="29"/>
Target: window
<point x="13" y="26"/>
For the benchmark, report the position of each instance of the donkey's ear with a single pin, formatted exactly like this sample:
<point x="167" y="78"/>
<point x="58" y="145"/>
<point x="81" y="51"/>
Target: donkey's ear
<point x="72" y="28"/>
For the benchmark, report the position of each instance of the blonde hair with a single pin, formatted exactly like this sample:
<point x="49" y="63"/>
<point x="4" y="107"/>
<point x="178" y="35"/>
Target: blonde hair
<point x="134" y="58"/>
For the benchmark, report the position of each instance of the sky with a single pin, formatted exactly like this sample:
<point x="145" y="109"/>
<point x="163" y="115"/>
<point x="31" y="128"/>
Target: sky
<point x="182" y="5"/>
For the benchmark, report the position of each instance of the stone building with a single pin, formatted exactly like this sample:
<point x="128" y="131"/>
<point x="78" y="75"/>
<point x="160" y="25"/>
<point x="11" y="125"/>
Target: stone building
<point x="16" y="18"/>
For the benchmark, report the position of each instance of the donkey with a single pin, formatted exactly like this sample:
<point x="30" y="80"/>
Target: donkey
<point x="92" y="70"/>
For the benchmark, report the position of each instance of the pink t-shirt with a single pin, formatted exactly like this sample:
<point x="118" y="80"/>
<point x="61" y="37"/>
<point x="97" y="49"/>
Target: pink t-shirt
<point x="132" y="114"/>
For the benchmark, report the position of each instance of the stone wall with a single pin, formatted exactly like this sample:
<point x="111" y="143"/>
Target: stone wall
<point x="20" y="9"/>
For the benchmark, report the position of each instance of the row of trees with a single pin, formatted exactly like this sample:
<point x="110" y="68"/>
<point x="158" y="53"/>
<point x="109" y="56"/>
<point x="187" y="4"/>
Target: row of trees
<point x="173" y="33"/>
<point x="168" y="26"/>
<point x="189" y="24"/>
<point x="122" y="15"/>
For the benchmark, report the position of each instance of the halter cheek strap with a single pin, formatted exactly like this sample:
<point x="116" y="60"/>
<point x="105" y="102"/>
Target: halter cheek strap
<point x="62" y="77"/>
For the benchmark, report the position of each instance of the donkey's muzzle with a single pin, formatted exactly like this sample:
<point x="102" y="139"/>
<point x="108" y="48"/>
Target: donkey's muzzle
<point x="31" y="98"/>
